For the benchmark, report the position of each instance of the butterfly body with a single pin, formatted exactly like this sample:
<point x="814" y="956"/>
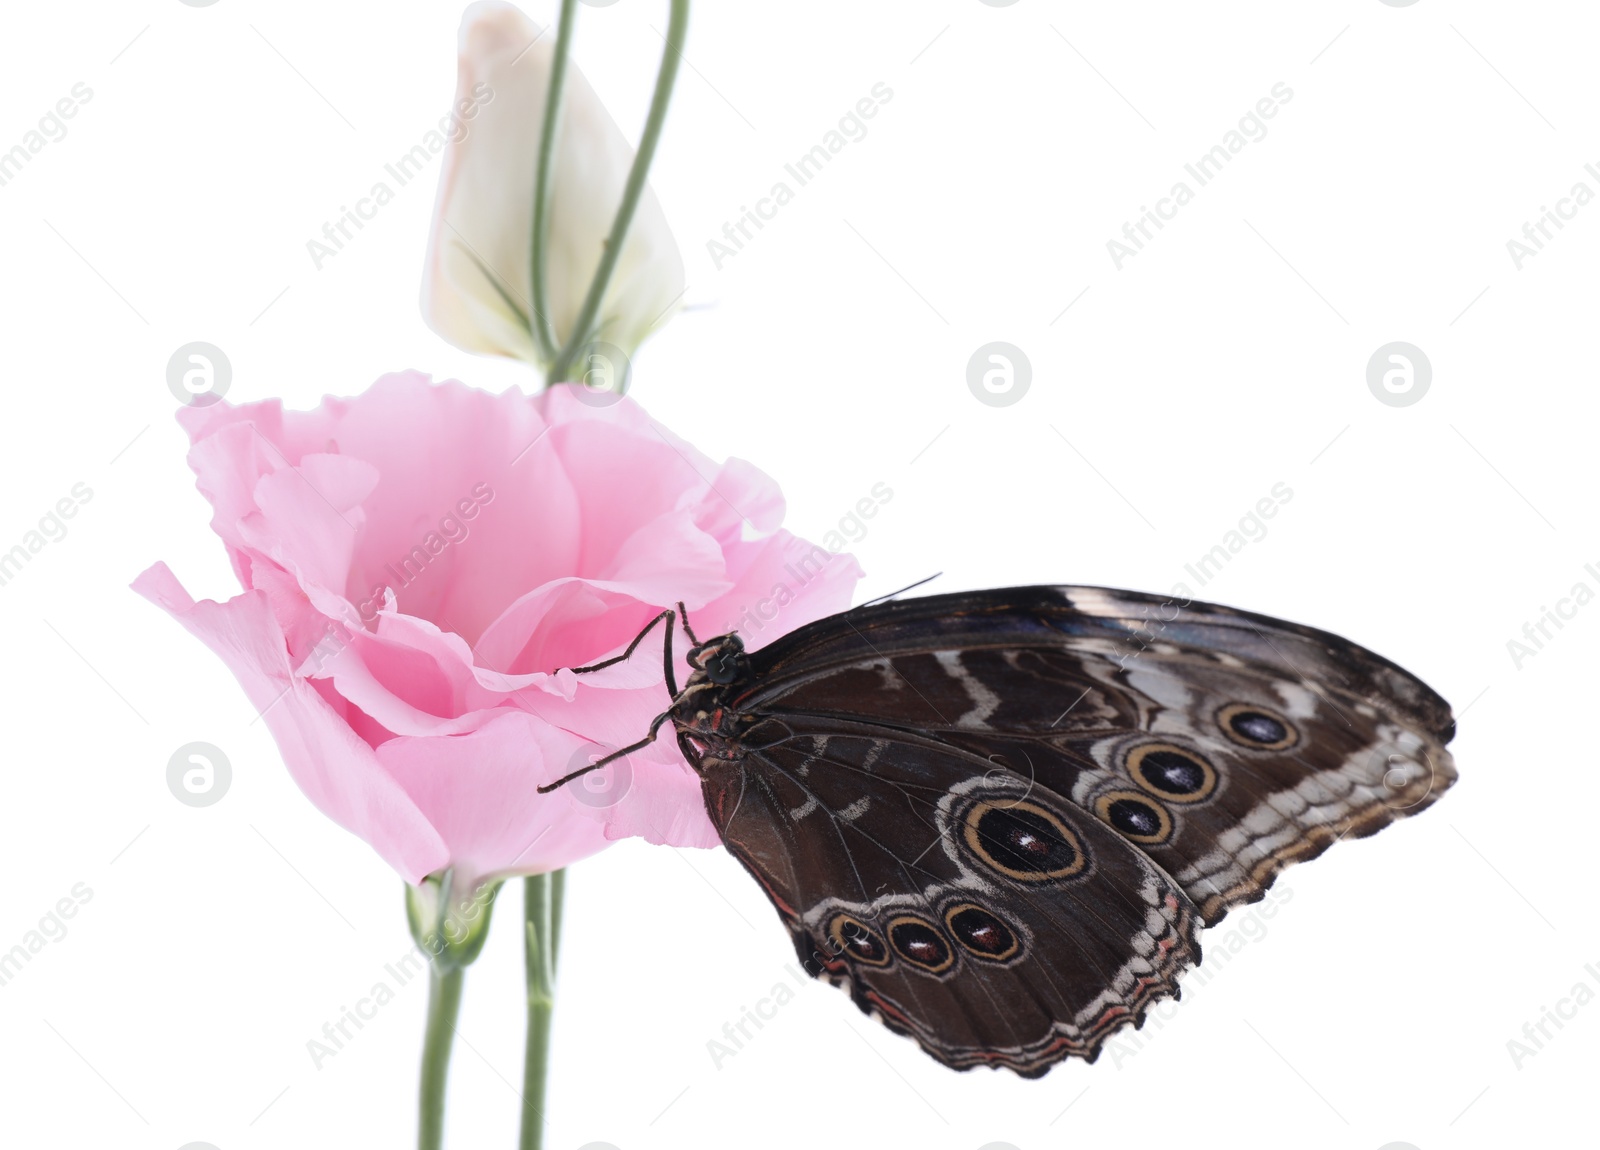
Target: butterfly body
<point x="1000" y="818"/>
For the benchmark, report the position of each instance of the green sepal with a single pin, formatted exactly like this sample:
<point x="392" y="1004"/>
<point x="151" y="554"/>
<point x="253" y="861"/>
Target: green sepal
<point x="450" y="930"/>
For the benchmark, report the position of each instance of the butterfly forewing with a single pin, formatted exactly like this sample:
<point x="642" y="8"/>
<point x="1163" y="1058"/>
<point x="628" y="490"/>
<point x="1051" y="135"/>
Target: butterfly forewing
<point x="1225" y="745"/>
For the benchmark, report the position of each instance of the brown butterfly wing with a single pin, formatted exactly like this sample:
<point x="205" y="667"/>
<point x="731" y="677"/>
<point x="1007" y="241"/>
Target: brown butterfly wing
<point x="1224" y="745"/>
<point x="989" y="919"/>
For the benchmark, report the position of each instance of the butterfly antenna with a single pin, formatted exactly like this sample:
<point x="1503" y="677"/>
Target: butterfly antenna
<point x="902" y="591"/>
<point x="612" y="757"/>
<point x="684" y="615"/>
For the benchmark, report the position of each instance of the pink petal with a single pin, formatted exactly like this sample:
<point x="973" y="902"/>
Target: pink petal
<point x="520" y="830"/>
<point x="740" y="495"/>
<point x="336" y="770"/>
<point x="782" y="583"/>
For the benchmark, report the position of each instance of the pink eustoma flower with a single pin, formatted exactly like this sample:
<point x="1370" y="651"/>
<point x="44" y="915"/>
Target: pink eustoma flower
<point x="422" y="564"/>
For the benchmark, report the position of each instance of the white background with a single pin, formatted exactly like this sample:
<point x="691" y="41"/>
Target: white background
<point x="1227" y="357"/>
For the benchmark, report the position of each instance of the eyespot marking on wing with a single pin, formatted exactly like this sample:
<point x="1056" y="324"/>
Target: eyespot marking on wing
<point x="1022" y="840"/>
<point x="1256" y="727"/>
<point x="1171" y="772"/>
<point x="1136" y="816"/>
<point x="921" y="944"/>
<point x="855" y="938"/>
<point x="981" y="932"/>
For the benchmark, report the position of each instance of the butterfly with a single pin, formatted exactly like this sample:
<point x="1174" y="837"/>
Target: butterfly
<point x="1000" y="819"/>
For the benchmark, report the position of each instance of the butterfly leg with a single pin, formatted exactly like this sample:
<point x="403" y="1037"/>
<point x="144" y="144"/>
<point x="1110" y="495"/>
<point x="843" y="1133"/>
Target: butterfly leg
<point x="614" y="755"/>
<point x="672" y="693"/>
<point x="666" y="651"/>
<point x="683" y="615"/>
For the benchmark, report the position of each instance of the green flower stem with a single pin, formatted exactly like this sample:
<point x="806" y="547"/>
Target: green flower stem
<point x="452" y="935"/>
<point x="543" y="331"/>
<point x="444" y="1006"/>
<point x="666" y="77"/>
<point x="542" y="898"/>
<point x="558" y="894"/>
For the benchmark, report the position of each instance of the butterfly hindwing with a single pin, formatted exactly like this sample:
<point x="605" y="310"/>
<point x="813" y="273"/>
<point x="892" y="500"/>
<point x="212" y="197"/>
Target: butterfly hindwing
<point x="989" y="919"/>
